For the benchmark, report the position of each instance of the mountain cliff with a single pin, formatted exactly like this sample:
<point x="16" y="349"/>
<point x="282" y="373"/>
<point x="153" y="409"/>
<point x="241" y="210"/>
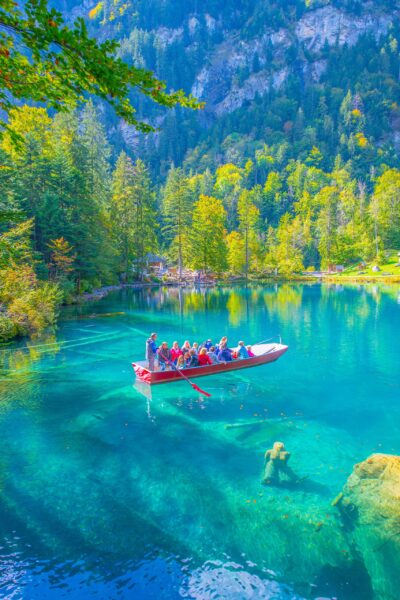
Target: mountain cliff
<point x="298" y="72"/>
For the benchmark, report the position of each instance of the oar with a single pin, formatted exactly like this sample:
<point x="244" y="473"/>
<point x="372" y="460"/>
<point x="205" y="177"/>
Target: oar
<point x="269" y="340"/>
<point x="194" y="386"/>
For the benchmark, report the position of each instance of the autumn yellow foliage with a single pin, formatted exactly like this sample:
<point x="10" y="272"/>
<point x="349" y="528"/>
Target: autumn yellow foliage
<point x="95" y="12"/>
<point x="362" y="141"/>
<point x="356" y="113"/>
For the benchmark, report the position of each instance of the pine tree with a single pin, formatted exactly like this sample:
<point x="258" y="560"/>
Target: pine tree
<point x="248" y="216"/>
<point x="177" y="208"/>
<point x="123" y="214"/>
<point x="132" y="215"/>
<point x="96" y="153"/>
<point x="229" y="179"/>
<point x="144" y="234"/>
<point x="327" y="225"/>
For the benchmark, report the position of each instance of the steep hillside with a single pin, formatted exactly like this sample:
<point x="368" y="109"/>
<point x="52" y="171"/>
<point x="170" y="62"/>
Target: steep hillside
<point x="270" y="72"/>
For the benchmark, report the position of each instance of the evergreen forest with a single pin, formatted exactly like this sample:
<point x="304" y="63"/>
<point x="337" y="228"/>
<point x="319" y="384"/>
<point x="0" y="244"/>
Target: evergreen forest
<point x="301" y="176"/>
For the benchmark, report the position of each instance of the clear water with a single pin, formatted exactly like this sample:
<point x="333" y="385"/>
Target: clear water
<point x="110" y="491"/>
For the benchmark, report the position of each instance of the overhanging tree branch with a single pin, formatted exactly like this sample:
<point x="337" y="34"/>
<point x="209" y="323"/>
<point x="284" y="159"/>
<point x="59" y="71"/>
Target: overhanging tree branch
<point x="43" y="60"/>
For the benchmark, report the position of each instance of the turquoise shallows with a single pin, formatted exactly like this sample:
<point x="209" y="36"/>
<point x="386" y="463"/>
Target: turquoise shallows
<point x="111" y="490"/>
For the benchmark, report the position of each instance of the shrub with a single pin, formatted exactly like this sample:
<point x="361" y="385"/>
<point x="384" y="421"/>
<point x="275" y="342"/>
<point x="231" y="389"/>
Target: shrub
<point x="96" y="283"/>
<point x="8" y="330"/>
<point x="68" y="291"/>
<point x="15" y="282"/>
<point x="85" y="286"/>
<point x="36" y="309"/>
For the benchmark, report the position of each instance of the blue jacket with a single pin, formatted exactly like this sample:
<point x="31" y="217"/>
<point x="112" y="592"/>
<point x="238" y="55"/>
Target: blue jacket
<point x="242" y="352"/>
<point x="151" y="348"/>
<point x="225" y="355"/>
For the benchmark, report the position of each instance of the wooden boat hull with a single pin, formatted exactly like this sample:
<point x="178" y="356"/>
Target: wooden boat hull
<point x="265" y="353"/>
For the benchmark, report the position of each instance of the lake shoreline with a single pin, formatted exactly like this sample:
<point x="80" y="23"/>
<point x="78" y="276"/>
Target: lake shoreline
<point x="102" y="292"/>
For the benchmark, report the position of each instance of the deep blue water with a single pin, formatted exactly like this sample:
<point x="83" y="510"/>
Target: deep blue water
<point x="111" y="490"/>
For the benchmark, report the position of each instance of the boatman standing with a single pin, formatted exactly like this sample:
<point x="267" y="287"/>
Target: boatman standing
<point x="151" y="350"/>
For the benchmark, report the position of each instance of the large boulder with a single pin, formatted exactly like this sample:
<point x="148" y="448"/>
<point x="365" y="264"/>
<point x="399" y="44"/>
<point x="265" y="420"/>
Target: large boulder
<point x="370" y="508"/>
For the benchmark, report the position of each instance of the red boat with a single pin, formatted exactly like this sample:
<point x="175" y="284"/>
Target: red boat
<point x="264" y="353"/>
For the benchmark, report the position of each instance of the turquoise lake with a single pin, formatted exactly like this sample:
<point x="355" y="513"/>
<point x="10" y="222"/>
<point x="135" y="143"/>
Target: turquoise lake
<point x="111" y="490"/>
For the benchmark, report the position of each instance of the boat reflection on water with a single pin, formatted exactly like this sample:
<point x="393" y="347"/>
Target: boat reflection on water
<point x="143" y="389"/>
<point x="158" y="401"/>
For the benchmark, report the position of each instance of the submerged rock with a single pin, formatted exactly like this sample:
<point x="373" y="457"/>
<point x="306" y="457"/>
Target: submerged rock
<point x="370" y="507"/>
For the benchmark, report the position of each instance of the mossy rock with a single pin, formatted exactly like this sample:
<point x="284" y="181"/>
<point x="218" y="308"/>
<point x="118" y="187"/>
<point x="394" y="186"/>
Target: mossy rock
<point x="371" y="508"/>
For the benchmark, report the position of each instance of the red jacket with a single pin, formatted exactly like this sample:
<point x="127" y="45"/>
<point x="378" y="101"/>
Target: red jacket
<point x="204" y="359"/>
<point x="175" y="354"/>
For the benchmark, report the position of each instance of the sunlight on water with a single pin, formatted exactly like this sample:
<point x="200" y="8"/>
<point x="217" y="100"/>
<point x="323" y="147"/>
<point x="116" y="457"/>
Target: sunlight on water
<point x="111" y="489"/>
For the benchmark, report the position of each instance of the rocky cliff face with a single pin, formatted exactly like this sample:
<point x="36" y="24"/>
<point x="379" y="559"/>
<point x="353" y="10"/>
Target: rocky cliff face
<point x="238" y="64"/>
<point x="317" y="29"/>
<point x="268" y="71"/>
<point x="370" y="508"/>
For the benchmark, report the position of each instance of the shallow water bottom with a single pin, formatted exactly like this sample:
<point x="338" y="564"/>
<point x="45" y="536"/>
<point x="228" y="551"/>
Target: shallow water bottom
<point x="110" y="489"/>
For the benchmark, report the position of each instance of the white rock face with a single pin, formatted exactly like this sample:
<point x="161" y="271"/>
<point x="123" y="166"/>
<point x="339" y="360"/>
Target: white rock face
<point x="210" y="22"/>
<point x="337" y="27"/>
<point x="315" y="70"/>
<point x="257" y="83"/>
<point x="167" y="35"/>
<point x="233" y="55"/>
<point x="193" y="25"/>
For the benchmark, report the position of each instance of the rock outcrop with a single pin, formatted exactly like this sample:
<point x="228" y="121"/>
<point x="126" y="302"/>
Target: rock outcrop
<point x="370" y="507"/>
<point x="327" y="25"/>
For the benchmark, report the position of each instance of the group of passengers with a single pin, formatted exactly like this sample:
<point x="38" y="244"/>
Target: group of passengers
<point x="188" y="356"/>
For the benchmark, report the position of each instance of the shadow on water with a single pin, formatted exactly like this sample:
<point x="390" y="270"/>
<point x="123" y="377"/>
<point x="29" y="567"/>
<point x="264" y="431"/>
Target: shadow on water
<point x="346" y="583"/>
<point x="303" y="484"/>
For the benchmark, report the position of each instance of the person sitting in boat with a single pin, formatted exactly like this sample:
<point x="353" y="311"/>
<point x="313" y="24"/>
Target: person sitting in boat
<point x="194" y="361"/>
<point x="211" y="353"/>
<point x="207" y="345"/>
<point x="164" y="356"/>
<point x="203" y="358"/>
<point x="186" y="347"/>
<point x="224" y="354"/>
<point x="186" y="358"/>
<point x="151" y="350"/>
<point x="176" y="352"/>
<point x="249" y="352"/>
<point x="180" y="363"/>
<point x="222" y="344"/>
<point x="276" y="468"/>
<point x="195" y="347"/>
<point x="242" y="351"/>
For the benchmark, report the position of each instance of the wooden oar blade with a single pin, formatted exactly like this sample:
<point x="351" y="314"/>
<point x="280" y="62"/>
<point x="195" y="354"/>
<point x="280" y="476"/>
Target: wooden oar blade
<point x="196" y="387"/>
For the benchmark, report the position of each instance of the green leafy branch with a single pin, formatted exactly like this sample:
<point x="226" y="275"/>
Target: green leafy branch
<point x="44" y="60"/>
